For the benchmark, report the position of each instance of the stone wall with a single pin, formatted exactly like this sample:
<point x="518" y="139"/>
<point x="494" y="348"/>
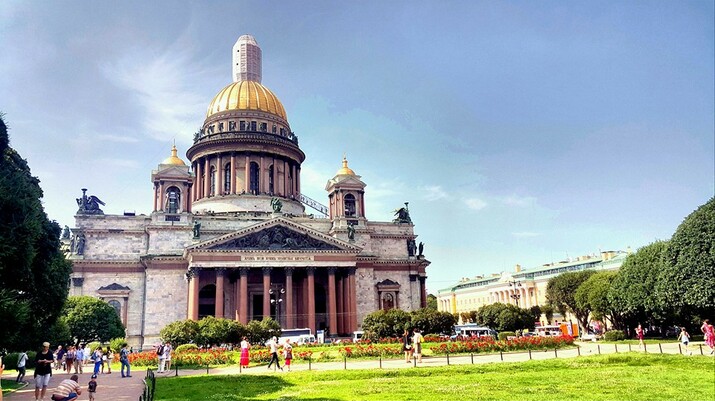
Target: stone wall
<point x="166" y="300"/>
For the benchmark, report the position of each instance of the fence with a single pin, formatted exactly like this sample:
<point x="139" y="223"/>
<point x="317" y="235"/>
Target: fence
<point x="149" y="386"/>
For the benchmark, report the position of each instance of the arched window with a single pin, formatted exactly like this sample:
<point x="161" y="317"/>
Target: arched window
<point x="173" y="200"/>
<point x="270" y="179"/>
<point x="254" y="187"/>
<point x="388" y="301"/>
<point x="227" y="178"/>
<point x="212" y="181"/>
<point x="117" y="307"/>
<point x="349" y="205"/>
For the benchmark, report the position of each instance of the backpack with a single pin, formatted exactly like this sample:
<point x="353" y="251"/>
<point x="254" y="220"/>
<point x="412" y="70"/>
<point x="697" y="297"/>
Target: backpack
<point x="160" y="350"/>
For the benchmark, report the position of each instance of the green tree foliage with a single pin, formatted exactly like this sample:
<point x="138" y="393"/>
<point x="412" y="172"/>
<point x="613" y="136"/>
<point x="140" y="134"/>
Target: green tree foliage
<point x="430" y="321"/>
<point x="91" y="319"/>
<point x="687" y="284"/>
<point x="560" y="292"/>
<point x="501" y="317"/>
<point x="633" y="290"/>
<point x="536" y="312"/>
<point x="431" y="302"/>
<point x="390" y="323"/>
<point x="117" y="344"/>
<point x="593" y="295"/>
<point x="33" y="272"/>
<point x="548" y="312"/>
<point x="180" y="332"/>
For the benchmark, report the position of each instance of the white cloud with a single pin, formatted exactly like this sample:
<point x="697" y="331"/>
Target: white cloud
<point x="525" y="234"/>
<point x="433" y="193"/>
<point x="475" y="203"/>
<point x="519" y="201"/>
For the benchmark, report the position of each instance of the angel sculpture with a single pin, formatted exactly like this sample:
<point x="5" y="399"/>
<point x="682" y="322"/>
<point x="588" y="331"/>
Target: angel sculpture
<point x="89" y="204"/>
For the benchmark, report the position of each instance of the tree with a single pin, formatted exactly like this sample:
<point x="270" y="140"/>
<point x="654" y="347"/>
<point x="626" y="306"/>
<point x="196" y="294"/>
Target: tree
<point x="593" y="295"/>
<point x="548" y="312"/>
<point x="390" y="323"/>
<point x="686" y="282"/>
<point x="560" y="292"/>
<point x="633" y="289"/>
<point x="431" y="302"/>
<point x="431" y="321"/>
<point x="536" y="312"/>
<point x="91" y="319"/>
<point x="180" y="332"/>
<point x="33" y="272"/>
<point x="503" y="317"/>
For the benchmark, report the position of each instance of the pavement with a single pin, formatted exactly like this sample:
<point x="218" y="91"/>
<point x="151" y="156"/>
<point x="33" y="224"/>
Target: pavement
<point x="113" y="387"/>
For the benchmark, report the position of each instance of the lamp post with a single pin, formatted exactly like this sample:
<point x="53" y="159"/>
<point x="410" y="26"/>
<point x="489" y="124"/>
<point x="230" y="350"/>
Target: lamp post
<point x="516" y="295"/>
<point x="276" y="293"/>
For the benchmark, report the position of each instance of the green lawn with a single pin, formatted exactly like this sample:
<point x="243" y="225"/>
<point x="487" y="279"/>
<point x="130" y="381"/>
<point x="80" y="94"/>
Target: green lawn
<point x="606" y="377"/>
<point x="9" y="385"/>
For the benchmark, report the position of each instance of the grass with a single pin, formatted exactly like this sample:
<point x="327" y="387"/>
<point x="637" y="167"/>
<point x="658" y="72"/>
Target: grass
<point x="629" y="376"/>
<point x="8" y="386"/>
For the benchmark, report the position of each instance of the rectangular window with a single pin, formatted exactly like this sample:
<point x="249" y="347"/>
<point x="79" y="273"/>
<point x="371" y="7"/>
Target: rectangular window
<point x="243" y="126"/>
<point x="253" y="125"/>
<point x="264" y="127"/>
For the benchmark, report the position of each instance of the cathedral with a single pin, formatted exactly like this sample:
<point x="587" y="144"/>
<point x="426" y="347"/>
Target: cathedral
<point x="229" y="234"/>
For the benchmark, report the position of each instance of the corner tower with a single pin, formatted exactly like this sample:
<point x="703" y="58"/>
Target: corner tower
<point x="172" y="186"/>
<point x="346" y="193"/>
<point x="245" y="153"/>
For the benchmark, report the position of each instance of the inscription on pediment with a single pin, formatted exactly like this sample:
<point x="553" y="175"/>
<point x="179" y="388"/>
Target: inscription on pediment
<point x="276" y="238"/>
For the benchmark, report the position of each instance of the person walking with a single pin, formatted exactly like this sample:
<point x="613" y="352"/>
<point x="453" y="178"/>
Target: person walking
<point x="162" y="358"/>
<point x="287" y="353"/>
<point x="92" y="387"/>
<point x="43" y="371"/>
<point x="110" y="359"/>
<point x="68" y="390"/>
<point x="417" y="340"/>
<point x="709" y="335"/>
<point x="407" y="346"/>
<point x="70" y="356"/>
<point x="274" y="354"/>
<point x="124" y="360"/>
<point x="684" y="338"/>
<point x="21" y="364"/>
<point x="639" y="334"/>
<point x="167" y="355"/>
<point x="245" y="356"/>
<point x="79" y="359"/>
<point x="97" y="359"/>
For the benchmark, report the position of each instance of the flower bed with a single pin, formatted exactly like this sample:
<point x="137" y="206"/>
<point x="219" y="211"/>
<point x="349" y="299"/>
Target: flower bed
<point x="486" y="344"/>
<point x="370" y="350"/>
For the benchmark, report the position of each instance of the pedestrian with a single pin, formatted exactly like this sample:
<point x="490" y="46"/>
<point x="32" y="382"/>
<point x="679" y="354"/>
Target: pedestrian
<point x="70" y="356"/>
<point x="407" y="345"/>
<point x="43" y="371"/>
<point x="21" y="364"/>
<point x="639" y="333"/>
<point x="245" y="356"/>
<point x="417" y="340"/>
<point x="684" y="338"/>
<point x="57" y="357"/>
<point x="167" y="355"/>
<point x="709" y="335"/>
<point x="287" y="353"/>
<point x="124" y="360"/>
<point x="68" y="390"/>
<point x="162" y="358"/>
<point x="2" y="369"/>
<point x="110" y="359"/>
<point x="274" y="354"/>
<point x="92" y="387"/>
<point x="97" y="356"/>
<point x="79" y="359"/>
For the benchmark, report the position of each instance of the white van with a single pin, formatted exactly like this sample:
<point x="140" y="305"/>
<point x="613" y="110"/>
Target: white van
<point x="357" y="335"/>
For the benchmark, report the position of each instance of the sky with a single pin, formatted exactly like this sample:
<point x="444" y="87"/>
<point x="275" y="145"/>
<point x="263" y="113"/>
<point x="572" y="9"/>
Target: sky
<point x="519" y="132"/>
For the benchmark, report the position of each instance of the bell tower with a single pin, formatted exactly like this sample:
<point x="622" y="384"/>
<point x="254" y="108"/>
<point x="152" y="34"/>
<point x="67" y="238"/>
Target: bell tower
<point x="172" y="186"/>
<point x="346" y="193"/>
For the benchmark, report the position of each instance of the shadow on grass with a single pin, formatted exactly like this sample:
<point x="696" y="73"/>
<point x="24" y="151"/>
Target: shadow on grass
<point x="225" y="387"/>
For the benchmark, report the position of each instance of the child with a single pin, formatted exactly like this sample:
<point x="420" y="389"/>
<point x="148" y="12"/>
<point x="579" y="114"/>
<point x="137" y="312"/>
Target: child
<point x="684" y="338"/>
<point x="287" y="353"/>
<point x="92" y="387"/>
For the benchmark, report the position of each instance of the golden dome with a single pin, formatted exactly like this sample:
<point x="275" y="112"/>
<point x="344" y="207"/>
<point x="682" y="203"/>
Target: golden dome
<point x="246" y="95"/>
<point x="345" y="170"/>
<point x="173" y="159"/>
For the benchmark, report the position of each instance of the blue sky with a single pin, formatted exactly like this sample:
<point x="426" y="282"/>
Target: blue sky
<point x="520" y="132"/>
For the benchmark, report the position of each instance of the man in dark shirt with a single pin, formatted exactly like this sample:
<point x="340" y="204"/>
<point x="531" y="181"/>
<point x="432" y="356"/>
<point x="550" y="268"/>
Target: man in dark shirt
<point x="43" y="371"/>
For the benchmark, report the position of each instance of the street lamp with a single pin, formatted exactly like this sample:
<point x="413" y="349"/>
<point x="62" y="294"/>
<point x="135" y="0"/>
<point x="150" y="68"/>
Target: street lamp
<point x="277" y="299"/>
<point x="516" y="295"/>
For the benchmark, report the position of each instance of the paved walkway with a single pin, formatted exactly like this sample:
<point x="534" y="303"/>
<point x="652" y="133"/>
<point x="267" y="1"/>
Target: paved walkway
<point x="113" y="387"/>
<point x="110" y="387"/>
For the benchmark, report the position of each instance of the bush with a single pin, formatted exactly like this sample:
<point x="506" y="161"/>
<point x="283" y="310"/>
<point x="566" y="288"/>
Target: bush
<point x="117" y="344"/>
<point x="186" y="347"/>
<point x="92" y="346"/>
<point x="10" y="361"/>
<point x="504" y="335"/>
<point x="485" y="345"/>
<point x="614" y="335"/>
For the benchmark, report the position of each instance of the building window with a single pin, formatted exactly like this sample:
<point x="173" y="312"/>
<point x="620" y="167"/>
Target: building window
<point x="270" y="179"/>
<point x="253" y="126"/>
<point x="117" y="307"/>
<point x="274" y="128"/>
<point x="349" y="205"/>
<point x="173" y="200"/>
<point x="254" y="187"/>
<point x="243" y="126"/>
<point x="388" y="301"/>
<point x="212" y="180"/>
<point x="227" y="178"/>
<point x="264" y="127"/>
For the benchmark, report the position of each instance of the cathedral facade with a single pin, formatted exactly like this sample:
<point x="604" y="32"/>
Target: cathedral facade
<point x="229" y="235"/>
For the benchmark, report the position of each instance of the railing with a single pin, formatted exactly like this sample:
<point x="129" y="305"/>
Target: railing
<point x="149" y="386"/>
<point x="313" y="204"/>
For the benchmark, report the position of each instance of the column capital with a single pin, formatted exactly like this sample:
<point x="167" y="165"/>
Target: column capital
<point x="267" y="271"/>
<point x="289" y="271"/>
<point x="310" y="270"/>
<point x="193" y="272"/>
<point x="351" y="271"/>
<point x="332" y="270"/>
<point x="243" y="271"/>
<point x="220" y="272"/>
<point x="422" y="279"/>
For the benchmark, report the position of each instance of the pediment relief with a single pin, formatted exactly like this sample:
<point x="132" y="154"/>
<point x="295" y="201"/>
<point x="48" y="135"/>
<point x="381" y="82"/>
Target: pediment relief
<point x="278" y="234"/>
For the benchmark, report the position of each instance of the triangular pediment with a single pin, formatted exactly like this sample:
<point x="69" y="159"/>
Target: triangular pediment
<point x="276" y="235"/>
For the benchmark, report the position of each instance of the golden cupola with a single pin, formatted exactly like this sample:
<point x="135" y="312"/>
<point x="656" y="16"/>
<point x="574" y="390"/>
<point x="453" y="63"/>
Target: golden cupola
<point x="345" y="170"/>
<point x="173" y="160"/>
<point x="246" y="95"/>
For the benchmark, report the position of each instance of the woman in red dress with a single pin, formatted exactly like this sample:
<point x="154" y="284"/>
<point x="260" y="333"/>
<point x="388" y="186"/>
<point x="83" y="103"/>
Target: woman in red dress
<point x="709" y="334"/>
<point x="639" y="333"/>
<point x="245" y="346"/>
